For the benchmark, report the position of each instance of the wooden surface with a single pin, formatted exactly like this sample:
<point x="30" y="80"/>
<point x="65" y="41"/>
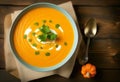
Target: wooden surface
<point x="104" y="50"/>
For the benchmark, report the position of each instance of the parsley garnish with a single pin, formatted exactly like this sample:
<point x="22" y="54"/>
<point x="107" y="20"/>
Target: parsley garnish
<point x="56" y="45"/>
<point x="45" y="29"/>
<point x="57" y="25"/>
<point x="35" y="45"/>
<point x="33" y="33"/>
<point x="65" y="43"/>
<point x="41" y="47"/>
<point x="30" y="40"/>
<point x="25" y="36"/>
<point x="43" y="37"/>
<point x="47" y="34"/>
<point x="44" y="21"/>
<point x="50" y="21"/>
<point x="47" y="54"/>
<point x="37" y="52"/>
<point x="52" y="36"/>
<point x="36" y="23"/>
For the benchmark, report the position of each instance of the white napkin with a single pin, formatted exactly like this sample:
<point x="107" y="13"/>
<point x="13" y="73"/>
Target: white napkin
<point x="17" y="69"/>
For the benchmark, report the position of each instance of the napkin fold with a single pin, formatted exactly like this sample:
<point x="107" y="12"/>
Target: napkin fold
<point x="14" y="67"/>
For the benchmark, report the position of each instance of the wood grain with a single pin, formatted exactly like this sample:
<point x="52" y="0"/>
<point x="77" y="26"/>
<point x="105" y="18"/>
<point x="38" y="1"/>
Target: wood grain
<point x="102" y="75"/>
<point x="4" y="10"/>
<point x="6" y="77"/>
<point x="104" y="49"/>
<point x="2" y="62"/>
<point x="105" y="45"/>
<point x="75" y="2"/>
<point x="107" y="18"/>
<point x="100" y="60"/>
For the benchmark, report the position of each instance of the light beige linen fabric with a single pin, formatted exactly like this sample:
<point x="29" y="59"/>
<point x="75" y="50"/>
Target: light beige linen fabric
<point x="17" y="69"/>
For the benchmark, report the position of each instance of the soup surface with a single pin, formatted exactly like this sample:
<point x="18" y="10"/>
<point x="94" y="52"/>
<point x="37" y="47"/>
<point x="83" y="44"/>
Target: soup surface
<point x="43" y="37"/>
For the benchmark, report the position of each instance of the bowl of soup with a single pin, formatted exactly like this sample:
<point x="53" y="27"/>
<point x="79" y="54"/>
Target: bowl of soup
<point x="43" y="37"/>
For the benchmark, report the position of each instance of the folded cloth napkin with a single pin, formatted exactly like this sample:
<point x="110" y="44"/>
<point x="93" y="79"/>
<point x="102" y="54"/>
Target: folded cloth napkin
<point x="14" y="67"/>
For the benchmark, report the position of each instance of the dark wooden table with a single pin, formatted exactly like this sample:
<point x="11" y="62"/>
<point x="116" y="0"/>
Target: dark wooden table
<point x="104" y="50"/>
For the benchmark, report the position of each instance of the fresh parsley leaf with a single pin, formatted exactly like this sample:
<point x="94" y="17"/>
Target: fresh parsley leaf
<point x="33" y="33"/>
<point x="41" y="47"/>
<point x="35" y="45"/>
<point x="25" y="36"/>
<point x="37" y="52"/>
<point x="52" y="36"/>
<point x="45" y="29"/>
<point x="43" y="37"/>
<point x="30" y="40"/>
<point x="57" y="25"/>
<point x="65" y="43"/>
<point x="44" y="21"/>
<point x="56" y="45"/>
<point x="47" y="34"/>
<point x="47" y="54"/>
<point x="36" y="24"/>
<point x="50" y="21"/>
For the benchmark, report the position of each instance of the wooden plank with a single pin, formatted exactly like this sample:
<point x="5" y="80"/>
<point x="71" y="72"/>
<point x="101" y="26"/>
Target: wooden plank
<point x="105" y="45"/>
<point x="108" y="22"/>
<point x="4" y="10"/>
<point x="1" y="36"/>
<point x="103" y="61"/>
<point x="107" y="76"/>
<point x="6" y="77"/>
<point x="100" y="11"/>
<point x="75" y="2"/>
<point x="28" y="2"/>
<point x="2" y="62"/>
<point x="102" y="75"/>
<point x="96" y="2"/>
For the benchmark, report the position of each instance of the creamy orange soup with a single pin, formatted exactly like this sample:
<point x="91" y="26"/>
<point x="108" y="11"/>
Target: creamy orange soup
<point x="43" y="47"/>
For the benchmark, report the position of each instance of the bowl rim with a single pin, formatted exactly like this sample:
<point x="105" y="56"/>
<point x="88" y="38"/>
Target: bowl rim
<point x="27" y="9"/>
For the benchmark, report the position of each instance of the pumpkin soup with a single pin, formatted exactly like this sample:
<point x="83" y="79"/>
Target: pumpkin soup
<point x="43" y="37"/>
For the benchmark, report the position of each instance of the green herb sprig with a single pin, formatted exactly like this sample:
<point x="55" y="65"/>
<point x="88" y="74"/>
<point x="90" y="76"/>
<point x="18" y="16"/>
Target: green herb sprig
<point x="47" y="53"/>
<point x="47" y="34"/>
<point x="37" y="52"/>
